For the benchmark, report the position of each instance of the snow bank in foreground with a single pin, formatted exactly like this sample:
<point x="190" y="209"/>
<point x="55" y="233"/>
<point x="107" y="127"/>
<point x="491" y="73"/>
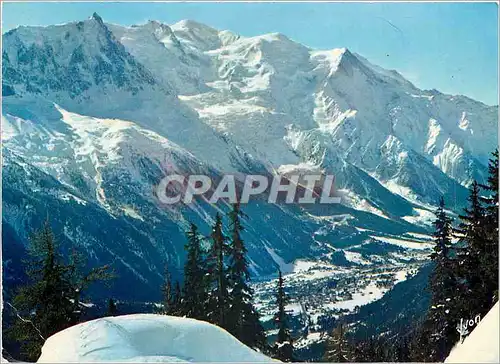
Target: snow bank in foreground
<point x="481" y="346"/>
<point x="146" y="338"/>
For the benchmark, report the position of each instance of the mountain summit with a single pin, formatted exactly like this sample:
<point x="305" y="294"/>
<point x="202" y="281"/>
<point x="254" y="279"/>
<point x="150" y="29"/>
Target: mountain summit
<point x="93" y="114"/>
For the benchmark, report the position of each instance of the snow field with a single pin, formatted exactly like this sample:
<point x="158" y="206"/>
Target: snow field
<point x="146" y="338"/>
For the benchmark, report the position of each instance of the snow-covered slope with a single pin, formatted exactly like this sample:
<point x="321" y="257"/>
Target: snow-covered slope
<point x="146" y="338"/>
<point x="482" y="345"/>
<point x="94" y="113"/>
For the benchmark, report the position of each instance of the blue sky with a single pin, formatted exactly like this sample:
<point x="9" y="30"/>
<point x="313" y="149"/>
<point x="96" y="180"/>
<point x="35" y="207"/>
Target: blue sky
<point x="452" y="47"/>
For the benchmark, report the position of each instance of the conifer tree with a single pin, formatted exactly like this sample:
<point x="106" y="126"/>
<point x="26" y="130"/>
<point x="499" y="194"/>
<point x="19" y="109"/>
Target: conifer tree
<point x="80" y="281"/>
<point x="490" y="255"/>
<point x="168" y="304"/>
<point x="363" y="351"/>
<point x="337" y="348"/>
<point x="243" y="319"/>
<point x="112" y="309"/>
<point x="50" y="301"/>
<point x="218" y="304"/>
<point x="419" y="344"/>
<point x="402" y="351"/>
<point x="474" y="295"/>
<point x="178" y="300"/>
<point x="439" y="326"/>
<point x="195" y="287"/>
<point x="49" y="295"/>
<point x="284" y="345"/>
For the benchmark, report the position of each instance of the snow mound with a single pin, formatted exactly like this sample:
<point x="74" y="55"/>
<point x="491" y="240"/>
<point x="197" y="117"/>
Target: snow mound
<point x="481" y="346"/>
<point x="146" y="338"/>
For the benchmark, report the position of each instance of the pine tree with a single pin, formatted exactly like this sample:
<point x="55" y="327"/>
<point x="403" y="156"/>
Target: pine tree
<point x="178" y="299"/>
<point x="243" y="319"/>
<point x="50" y="301"/>
<point x="80" y="281"/>
<point x="112" y="309"/>
<point x="218" y="304"/>
<point x="49" y="295"/>
<point x="363" y="351"/>
<point x="419" y="345"/>
<point x="284" y="344"/>
<point x="195" y="280"/>
<point x="492" y="187"/>
<point x="402" y="351"/>
<point x="474" y="295"/>
<point x="168" y="304"/>
<point x="437" y="334"/>
<point x="377" y="349"/>
<point x="338" y="349"/>
<point x="490" y="255"/>
<point x="439" y="326"/>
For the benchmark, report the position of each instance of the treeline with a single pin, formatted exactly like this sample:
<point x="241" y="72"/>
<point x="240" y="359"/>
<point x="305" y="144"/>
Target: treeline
<point x="463" y="284"/>
<point x="340" y="348"/>
<point x="216" y="288"/>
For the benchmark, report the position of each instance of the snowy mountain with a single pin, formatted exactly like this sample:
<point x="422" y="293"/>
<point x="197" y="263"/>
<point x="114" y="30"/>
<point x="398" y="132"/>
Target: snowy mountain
<point x="94" y="113"/>
<point x="146" y="338"/>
